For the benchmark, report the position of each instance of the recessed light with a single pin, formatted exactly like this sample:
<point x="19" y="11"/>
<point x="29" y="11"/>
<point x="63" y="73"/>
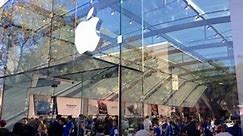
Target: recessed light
<point x="187" y="7"/>
<point x="197" y="18"/>
<point x="130" y="22"/>
<point x="112" y="12"/>
<point x="208" y="27"/>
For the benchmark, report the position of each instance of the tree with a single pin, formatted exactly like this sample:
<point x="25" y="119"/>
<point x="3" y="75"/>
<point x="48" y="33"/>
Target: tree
<point x="221" y="92"/>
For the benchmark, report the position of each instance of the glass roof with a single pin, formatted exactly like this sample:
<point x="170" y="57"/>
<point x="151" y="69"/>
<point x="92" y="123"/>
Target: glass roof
<point x="197" y="32"/>
<point x="162" y="39"/>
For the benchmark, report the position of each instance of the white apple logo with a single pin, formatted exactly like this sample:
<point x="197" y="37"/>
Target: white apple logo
<point x="86" y="34"/>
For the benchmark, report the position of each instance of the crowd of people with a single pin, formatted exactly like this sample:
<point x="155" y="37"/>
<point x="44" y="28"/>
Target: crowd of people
<point x="108" y="125"/>
<point x="188" y="126"/>
<point x="63" y="126"/>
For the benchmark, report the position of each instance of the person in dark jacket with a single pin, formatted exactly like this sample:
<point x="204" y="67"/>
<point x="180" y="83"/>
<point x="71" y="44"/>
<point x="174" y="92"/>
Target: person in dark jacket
<point x="235" y="130"/>
<point x="56" y="127"/>
<point x="107" y="125"/>
<point x="23" y="128"/>
<point x="4" y="131"/>
<point x="191" y="129"/>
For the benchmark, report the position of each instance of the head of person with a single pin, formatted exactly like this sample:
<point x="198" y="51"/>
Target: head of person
<point x="116" y="117"/>
<point x="42" y="128"/>
<point x="32" y="119"/>
<point x="24" y="121"/>
<point x="3" y="123"/>
<point x="168" y="119"/>
<point x="107" y="116"/>
<point x="100" y="129"/>
<point x="236" y="122"/>
<point x="220" y="128"/>
<point x="94" y="117"/>
<point x="69" y="118"/>
<point x="156" y="124"/>
<point x="58" y="117"/>
<point x="41" y="118"/>
<point x="61" y="121"/>
<point x="115" y="123"/>
<point x="147" y="117"/>
<point x="18" y="128"/>
<point x="81" y="116"/>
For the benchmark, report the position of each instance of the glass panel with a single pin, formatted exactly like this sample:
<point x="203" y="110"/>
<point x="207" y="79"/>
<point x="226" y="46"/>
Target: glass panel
<point x="15" y="97"/>
<point x="175" y="58"/>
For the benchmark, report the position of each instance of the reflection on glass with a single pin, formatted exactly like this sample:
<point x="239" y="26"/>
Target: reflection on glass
<point x="176" y="60"/>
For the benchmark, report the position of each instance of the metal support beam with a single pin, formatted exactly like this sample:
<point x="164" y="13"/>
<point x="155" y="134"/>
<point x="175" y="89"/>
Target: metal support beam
<point x="201" y="14"/>
<point x="217" y="20"/>
<point x="189" y="25"/>
<point x="201" y="71"/>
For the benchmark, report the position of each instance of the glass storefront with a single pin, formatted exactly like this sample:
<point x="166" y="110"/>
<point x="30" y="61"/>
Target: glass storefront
<point x="173" y="58"/>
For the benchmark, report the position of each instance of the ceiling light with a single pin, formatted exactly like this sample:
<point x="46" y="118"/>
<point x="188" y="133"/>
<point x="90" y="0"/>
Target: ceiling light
<point x="223" y="41"/>
<point x="187" y="7"/>
<point x="112" y="12"/>
<point x="230" y="48"/>
<point x="221" y="83"/>
<point x="197" y="18"/>
<point x="208" y="27"/>
<point x="157" y="37"/>
<point x="146" y="30"/>
<point x="130" y="22"/>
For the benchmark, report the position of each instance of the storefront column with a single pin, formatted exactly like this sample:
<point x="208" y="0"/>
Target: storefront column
<point x="236" y="11"/>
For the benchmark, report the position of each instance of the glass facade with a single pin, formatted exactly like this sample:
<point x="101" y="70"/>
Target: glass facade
<point x="176" y="55"/>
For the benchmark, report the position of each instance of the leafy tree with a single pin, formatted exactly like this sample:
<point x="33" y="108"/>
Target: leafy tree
<point x="221" y="92"/>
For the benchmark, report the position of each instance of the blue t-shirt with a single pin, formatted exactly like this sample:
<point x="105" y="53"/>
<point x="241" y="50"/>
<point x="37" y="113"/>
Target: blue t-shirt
<point x="68" y="128"/>
<point x="114" y="132"/>
<point x="157" y="131"/>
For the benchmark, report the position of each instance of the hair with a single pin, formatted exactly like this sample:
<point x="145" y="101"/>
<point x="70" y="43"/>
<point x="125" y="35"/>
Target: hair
<point x="220" y="128"/>
<point x="58" y="117"/>
<point x="69" y="117"/>
<point x="115" y="122"/>
<point x="63" y="120"/>
<point x="17" y="129"/>
<point x="43" y="127"/>
<point x="3" y="123"/>
<point x="100" y="129"/>
<point x="24" y="118"/>
<point x="156" y="123"/>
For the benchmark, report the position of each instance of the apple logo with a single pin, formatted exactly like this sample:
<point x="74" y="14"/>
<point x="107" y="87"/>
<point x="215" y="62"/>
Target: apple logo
<point x="86" y="34"/>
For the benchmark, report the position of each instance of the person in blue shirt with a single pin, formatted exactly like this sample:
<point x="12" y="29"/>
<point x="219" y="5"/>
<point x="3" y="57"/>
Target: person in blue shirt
<point x="114" y="130"/>
<point x="207" y="128"/>
<point x="163" y="128"/>
<point x="157" y="131"/>
<point x="69" y="127"/>
<point x="107" y="124"/>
